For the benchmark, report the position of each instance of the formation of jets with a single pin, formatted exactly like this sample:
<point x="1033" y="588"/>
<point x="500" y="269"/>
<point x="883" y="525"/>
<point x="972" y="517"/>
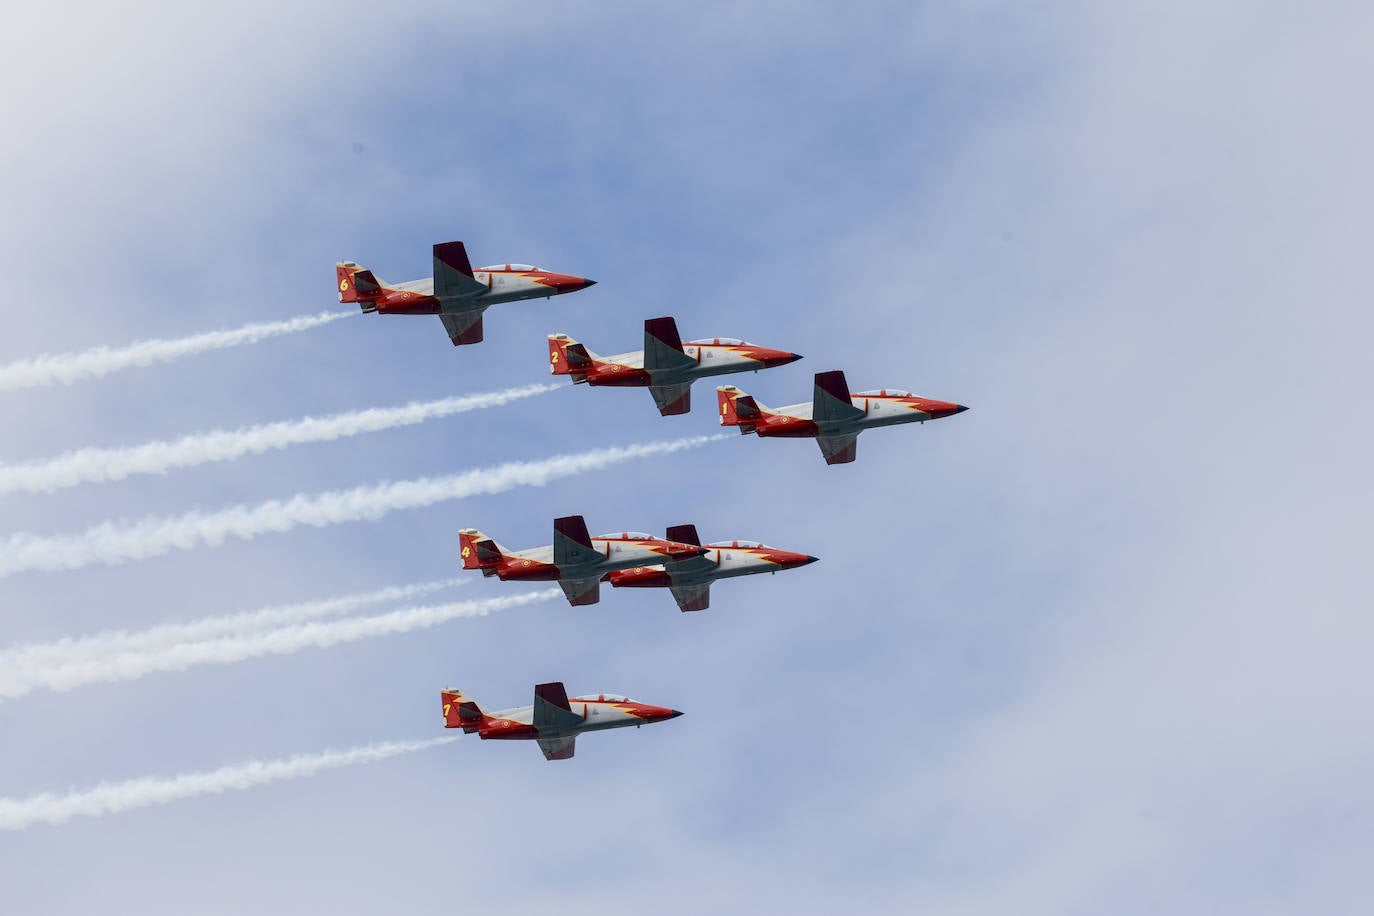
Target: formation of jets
<point x="578" y="562"/>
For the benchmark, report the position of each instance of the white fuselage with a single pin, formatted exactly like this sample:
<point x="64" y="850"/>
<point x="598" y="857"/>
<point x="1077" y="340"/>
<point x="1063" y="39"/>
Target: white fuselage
<point x="598" y="715"/>
<point x="502" y="286"/>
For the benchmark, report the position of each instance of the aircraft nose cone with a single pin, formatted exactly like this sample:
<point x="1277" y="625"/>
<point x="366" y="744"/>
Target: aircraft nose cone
<point x="674" y="713"/>
<point x="782" y="358"/>
<point x="809" y="560"/>
<point x="567" y="283"/>
<point x="959" y="408"/>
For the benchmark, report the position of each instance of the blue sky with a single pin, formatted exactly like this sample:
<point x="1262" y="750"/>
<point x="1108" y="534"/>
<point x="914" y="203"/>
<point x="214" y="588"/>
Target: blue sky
<point x="1098" y="644"/>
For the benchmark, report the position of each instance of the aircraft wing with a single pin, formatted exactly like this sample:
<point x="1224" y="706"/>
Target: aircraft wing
<point x="831" y="403"/>
<point x="463" y="328"/>
<point x="838" y="449"/>
<point x="663" y="347"/>
<point x="453" y="274"/>
<point x="572" y="544"/>
<point x="551" y="707"/>
<point x="558" y="748"/>
<point x="672" y="399"/>
<point x="692" y="597"/>
<point x="581" y="591"/>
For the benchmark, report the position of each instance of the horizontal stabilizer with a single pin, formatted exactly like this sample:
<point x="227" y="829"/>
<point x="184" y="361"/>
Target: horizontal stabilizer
<point x="478" y="550"/>
<point x="568" y="357"/>
<point x="357" y="285"/>
<point x="738" y="409"/>
<point x="460" y="711"/>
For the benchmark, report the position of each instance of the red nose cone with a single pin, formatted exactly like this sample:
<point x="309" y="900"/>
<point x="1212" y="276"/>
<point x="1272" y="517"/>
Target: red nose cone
<point x="567" y="283"/>
<point x="657" y="713"/>
<point x="683" y="551"/>
<point x="938" y="409"/>
<point x="771" y="358"/>
<point x="789" y="560"/>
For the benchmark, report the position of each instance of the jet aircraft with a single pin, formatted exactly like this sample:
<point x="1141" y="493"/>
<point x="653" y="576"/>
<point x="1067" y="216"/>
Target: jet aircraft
<point x="690" y="578"/>
<point x="554" y="721"/>
<point x="576" y="560"/>
<point x="456" y="293"/>
<point x="665" y="366"/>
<point x="834" y="418"/>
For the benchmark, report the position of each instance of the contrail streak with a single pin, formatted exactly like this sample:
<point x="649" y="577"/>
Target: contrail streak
<point x="66" y="368"/>
<point x="114" y="543"/>
<point x="133" y="664"/>
<point x="94" y="465"/>
<point x="116" y="797"/>
<point x="21" y="663"/>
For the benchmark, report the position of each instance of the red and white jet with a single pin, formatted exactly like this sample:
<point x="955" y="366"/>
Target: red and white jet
<point x="665" y="366"/>
<point x="690" y="578"/>
<point x="554" y="720"/>
<point x="576" y="560"/>
<point x="456" y="293"/>
<point x="834" y="418"/>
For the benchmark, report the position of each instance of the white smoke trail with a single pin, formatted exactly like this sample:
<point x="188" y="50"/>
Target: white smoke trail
<point x="116" y="797"/>
<point x="66" y="368"/>
<point x="20" y="664"/>
<point x="93" y="465"/>
<point x="132" y="665"/>
<point x="113" y="543"/>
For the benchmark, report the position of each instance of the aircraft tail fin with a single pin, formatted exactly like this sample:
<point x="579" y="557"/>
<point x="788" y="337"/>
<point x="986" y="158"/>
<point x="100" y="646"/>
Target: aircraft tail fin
<point x="358" y="285"/>
<point x="479" y="551"/>
<point x="738" y="409"/>
<point x="568" y="357"/>
<point x="461" y="711"/>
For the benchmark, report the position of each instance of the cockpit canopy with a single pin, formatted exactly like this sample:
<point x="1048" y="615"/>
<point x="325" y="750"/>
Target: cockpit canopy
<point x="606" y="697"/>
<point x="750" y="544"/>
<point x="519" y="268"/>
<point x="626" y="536"/>
<point x="885" y="393"/>
<point x="721" y="341"/>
